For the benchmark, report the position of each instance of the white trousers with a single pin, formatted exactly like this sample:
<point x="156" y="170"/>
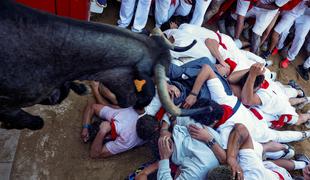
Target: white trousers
<point x="127" y="12"/>
<point x="164" y="10"/>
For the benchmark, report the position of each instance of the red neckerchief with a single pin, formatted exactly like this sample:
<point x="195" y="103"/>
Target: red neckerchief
<point x="232" y="65"/>
<point x="284" y="118"/>
<point x="228" y="111"/>
<point x="264" y="85"/>
<point x="113" y="130"/>
<point x="173" y="2"/>
<point x="220" y="40"/>
<point x="256" y="113"/>
<point x="160" y="114"/>
<point x="290" y="5"/>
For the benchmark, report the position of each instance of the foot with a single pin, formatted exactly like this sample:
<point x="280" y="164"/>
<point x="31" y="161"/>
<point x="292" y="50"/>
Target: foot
<point x="275" y="51"/>
<point x="284" y="63"/>
<point x="102" y="3"/>
<point x="305" y="134"/>
<point x="144" y="32"/>
<point x="296" y="86"/>
<point x="289" y="152"/>
<point x="268" y="63"/>
<point x="302" y="157"/>
<point x="303" y="72"/>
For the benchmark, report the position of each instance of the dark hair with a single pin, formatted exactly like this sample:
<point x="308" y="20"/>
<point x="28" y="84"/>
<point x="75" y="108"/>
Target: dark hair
<point x="145" y="96"/>
<point x="214" y="112"/>
<point x="165" y="26"/>
<point x="148" y="129"/>
<point x="258" y="81"/>
<point x="222" y="172"/>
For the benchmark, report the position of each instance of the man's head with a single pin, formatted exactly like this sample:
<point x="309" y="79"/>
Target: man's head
<point x="258" y="81"/>
<point x="148" y="129"/>
<point x="212" y="115"/>
<point x="222" y="172"/>
<point x="145" y="93"/>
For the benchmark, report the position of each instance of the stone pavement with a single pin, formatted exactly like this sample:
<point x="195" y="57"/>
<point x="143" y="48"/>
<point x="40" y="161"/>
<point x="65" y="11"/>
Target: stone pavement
<point x="8" y="145"/>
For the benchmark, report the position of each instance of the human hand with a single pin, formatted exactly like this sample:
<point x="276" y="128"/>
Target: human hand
<point x="306" y="172"/>
<point x="189" y="101"/>
<point x="237" y="173"/>
<point x="257" y="69"/>
<point x="165" y="146"/>
<point x="173" y="91"/>
<point x="85" y="134"/>
<point x="199" y="133"/>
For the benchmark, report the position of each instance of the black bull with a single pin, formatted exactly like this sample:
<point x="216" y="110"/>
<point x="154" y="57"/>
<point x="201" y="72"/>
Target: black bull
<point x="41" y="54"/>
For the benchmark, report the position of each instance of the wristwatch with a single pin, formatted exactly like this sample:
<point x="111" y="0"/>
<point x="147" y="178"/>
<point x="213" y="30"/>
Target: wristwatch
<point x="211" y="143"/>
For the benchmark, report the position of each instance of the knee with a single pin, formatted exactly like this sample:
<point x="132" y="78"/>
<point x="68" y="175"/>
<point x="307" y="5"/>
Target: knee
<point x="242" y="130"/>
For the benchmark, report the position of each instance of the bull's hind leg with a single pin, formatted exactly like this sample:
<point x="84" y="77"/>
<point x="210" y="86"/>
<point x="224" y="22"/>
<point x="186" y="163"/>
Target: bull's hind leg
<point x="19" y="119"/>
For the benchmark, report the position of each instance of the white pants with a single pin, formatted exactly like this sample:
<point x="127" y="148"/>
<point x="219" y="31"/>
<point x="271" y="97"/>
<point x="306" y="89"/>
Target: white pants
<point x="263" y="19"/>
<point x="301" y="31"/>
<point x="164" y="10"/>
<point x="255" y="169"/>
<point x="127" y="12"/>
<point x="287" y="20"/>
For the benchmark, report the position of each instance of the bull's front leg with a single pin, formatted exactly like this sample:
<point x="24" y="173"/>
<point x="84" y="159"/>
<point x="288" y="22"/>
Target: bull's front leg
<point x="19" y="119"/>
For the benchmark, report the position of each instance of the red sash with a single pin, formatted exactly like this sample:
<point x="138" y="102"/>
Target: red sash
<point x="290" y="5"/>
<point x="160" y="114"/>
<point x="220" y="40"/>
<point x="231" y="64"/>
<point x="285" y="118"/>
<point x="256" y="113"/>
<point x="113" y="129"/>
<point x="228" y="111"/>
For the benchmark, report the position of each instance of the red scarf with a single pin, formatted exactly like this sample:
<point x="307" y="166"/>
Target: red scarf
<point x="228" y="111"/>
<point x="290" y="5"/>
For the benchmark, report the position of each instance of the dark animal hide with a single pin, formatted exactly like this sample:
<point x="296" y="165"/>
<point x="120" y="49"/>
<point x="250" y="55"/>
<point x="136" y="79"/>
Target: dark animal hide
<point x="42" y="54"/>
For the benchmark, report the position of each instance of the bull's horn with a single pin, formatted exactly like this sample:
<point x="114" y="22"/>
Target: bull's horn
<point x="157" y="32"/>
<point x="165" y="98"/>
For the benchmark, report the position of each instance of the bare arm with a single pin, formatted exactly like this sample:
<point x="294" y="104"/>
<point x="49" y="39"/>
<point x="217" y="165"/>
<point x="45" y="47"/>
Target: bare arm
<point x="95" y="86"/>
<point x="248" y="96"/>
<point x="205" y="74"/>
<point x="98" y="150"/>
<point x="213" y="46"/>
<point x="204" y="135"/>
<point x="236" y="76"/>
<point x="147" y="171"/>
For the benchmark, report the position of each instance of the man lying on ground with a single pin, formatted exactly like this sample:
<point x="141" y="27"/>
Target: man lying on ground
<point x="271" y="97"/>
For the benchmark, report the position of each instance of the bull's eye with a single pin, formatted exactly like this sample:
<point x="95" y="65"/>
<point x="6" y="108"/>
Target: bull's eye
<point x="139" y="84"/>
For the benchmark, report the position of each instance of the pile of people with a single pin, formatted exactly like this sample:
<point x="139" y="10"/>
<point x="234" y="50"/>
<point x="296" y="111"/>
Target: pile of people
<point x="244" y="106"/>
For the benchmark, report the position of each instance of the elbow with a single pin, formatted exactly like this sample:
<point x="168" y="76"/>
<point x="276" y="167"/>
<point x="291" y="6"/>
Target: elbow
<point x="246" y="101"/>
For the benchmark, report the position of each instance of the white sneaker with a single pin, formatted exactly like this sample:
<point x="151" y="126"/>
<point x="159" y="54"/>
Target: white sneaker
<point x="238" y="43"/>
<point x="268" y="63"/>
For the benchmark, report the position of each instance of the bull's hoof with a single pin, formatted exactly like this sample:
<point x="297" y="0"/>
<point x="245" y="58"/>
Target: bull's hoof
<point x="34" y="123"/>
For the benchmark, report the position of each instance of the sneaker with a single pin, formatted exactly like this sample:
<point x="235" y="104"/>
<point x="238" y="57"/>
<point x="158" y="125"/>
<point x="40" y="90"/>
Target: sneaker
<point x="284" y="63"/>
<point x="289" y="152"/>
<point x="305" y="135"/>
<point x="296" y="86"/>
<point x="268" y="63"/>
<point x="238" y="43"/>
<point x="265" y="54"/>
<point x="302" y="72"/>
<point x="307" y="124"/>
<point x="144" y="32"/>
<point x="94" y="8"/>
<point x="275" y="51"/>
<point x="102" y="3"/>
<point x="302" y="157"/>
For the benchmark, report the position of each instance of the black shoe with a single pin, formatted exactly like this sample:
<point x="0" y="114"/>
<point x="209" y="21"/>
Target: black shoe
<point x="265" y="54"/>
<point x="144" y="32"/>
<point x="303" y="72"/>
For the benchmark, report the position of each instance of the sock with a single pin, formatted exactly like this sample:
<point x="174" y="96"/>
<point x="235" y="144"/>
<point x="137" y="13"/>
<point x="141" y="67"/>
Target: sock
<point x="299" y="164"/>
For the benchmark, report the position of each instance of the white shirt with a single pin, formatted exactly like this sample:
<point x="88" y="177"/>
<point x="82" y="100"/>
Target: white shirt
<point x="125" y="121"/>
